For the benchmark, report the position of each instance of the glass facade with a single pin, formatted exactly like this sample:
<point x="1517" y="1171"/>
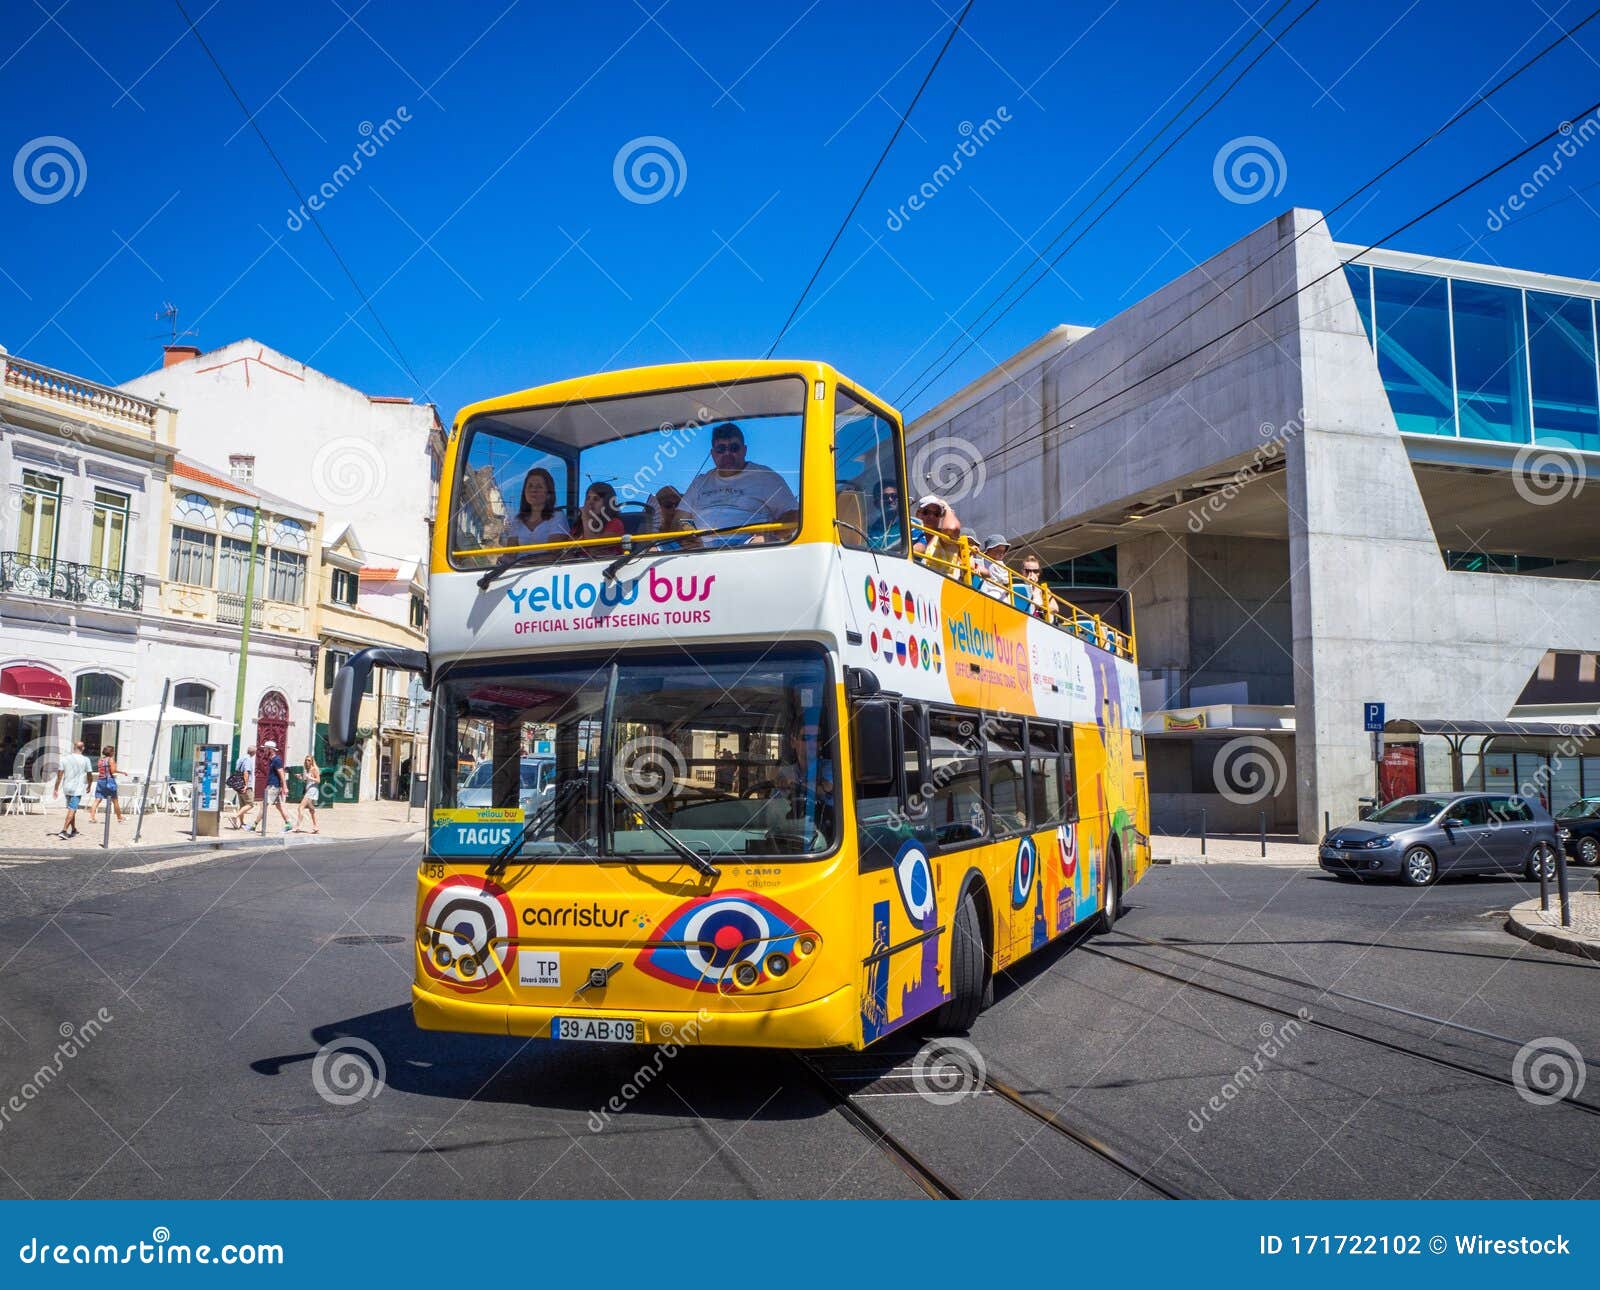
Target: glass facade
<point x="1482" y="361"/>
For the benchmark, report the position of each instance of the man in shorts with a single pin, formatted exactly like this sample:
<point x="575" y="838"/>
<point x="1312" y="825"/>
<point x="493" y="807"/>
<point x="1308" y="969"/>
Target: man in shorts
<point x="277" y="785"/>
<point x="74" y="777"/>
<point x="245" y="794"/>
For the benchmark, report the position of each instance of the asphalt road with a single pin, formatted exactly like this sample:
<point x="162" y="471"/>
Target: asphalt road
<point x="214" y="985"/>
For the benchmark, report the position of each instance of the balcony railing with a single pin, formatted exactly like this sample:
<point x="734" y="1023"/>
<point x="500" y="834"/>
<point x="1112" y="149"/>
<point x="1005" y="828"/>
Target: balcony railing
<point x="230" y="609"/>
<point x="80" y="584"/>
<point x="74" y="392"/>
<point x="401" y="713"/>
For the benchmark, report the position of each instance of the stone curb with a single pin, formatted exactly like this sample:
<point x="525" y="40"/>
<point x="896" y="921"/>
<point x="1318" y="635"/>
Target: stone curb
<point x="159" y="851"/>
<point x="1524" y="920"/>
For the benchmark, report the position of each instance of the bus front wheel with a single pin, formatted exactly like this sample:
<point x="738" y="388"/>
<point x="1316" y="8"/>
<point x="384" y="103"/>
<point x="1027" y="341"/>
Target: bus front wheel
<point x="969" y="969"/>
<point x="1113" y="891"/>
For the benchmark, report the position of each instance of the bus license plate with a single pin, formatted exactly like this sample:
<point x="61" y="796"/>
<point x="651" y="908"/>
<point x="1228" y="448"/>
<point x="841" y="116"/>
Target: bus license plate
<point x="598" y="1030"/>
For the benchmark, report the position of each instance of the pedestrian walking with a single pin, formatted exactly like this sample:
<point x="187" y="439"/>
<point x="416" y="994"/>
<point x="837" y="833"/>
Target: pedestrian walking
<point x="74" y="778"/>
<point x="243" y="783"/>
<point x="277" y="782"/>
<point x="308" y="800"/>
<point x="105" y="784"/>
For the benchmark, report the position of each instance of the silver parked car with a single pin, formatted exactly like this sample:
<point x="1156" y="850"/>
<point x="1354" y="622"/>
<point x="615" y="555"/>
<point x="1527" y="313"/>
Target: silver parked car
<point x="537" y="784"/>
<point x="1418" y="838"/>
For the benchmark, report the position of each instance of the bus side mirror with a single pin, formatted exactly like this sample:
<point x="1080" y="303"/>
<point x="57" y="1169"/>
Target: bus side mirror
<point x="351" y="681"/>
<point x="876" y="763"/>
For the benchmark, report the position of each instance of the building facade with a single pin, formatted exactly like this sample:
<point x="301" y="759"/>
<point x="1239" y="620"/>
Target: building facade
<point x="1326" y="483"/>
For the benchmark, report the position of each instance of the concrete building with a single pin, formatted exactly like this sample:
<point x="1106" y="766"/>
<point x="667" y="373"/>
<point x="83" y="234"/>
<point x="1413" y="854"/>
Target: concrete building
<point x="1326" y="483"/>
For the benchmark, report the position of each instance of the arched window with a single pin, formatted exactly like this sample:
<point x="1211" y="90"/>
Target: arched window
<point x="93" y="695"/>
<point x="290" y="533"/>
<point x="192" y="508"/>
<point x="194" y="697"/>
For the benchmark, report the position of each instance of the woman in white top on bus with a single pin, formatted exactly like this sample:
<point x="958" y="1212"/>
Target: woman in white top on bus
<point x="537" y="519"/>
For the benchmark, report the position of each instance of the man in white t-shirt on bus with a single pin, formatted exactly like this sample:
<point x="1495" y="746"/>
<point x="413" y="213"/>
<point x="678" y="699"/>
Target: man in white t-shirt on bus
<point x="732" y="494"/>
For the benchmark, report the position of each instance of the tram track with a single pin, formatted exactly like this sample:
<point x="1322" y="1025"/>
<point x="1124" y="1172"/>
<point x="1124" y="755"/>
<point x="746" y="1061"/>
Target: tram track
<point x="1321" y="1023"/>
<point x="930" y="1180"/>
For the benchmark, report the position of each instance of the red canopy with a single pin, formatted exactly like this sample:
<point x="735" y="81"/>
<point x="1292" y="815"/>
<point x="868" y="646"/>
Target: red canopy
<point x="36" y="683"/>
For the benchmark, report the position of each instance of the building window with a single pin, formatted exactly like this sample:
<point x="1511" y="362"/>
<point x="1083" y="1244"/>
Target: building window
<point x="286" y="577"/>
<point x="108" y="534"/>
<point x="419" y="611"/>
<point x="94" y="695"/>
<point x="242" y="467"/>
<point x="1412" y="318"/>
<point x="346" y="587"/>
<point x="187" y="736"/>
<point x="41" y="515"/>
<point x="1093" y="569"/>
<point x="332" y="661"/>
<point x="235" y="564"/>
<point x="193" y="552"/>
<point x="1491" y="363"/>
<point x="1561" y="355"/>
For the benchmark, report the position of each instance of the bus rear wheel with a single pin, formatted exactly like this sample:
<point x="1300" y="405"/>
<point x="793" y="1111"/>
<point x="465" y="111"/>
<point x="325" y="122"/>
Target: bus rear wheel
<point x="969" y="969"/>
<point x="1113" y="892"/>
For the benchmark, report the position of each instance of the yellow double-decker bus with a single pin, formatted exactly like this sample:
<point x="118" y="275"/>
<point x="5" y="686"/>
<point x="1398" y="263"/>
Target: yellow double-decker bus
<point x="724" y="752"/>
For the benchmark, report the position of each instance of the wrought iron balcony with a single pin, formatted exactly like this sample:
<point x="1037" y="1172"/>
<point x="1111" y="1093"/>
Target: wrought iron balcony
<point x="45" y="578"/>
<point x="403" y="714"/>
<point x="230" y="609"/>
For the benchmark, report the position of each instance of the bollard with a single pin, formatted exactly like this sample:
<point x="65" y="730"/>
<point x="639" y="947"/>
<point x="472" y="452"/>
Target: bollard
<point x="1544" y="889"/>
<point x="1263" y="819"/>
<point x="1561" y="888"/>
<point x="1326" y="827"/>
<point x="105" y="840"/>
<point x="1202" y="831"/>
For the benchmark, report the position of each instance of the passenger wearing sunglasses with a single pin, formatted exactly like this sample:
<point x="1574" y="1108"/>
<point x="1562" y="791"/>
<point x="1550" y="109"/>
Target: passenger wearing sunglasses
<point x="733" y="493"/>
<point x="937" y="539"/>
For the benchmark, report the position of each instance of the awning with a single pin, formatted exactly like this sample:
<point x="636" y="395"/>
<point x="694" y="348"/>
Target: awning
<point x="1524" y="729"/>
<point x="36" y="683"/>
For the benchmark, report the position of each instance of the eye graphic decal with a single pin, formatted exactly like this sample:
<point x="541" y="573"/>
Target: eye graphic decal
<point x="1067" y="846"/>
<point x="1025" y="874"/>
<point x="913" y="875"/>
<point x="702" y="939"/>
<point x="460" y="917"/>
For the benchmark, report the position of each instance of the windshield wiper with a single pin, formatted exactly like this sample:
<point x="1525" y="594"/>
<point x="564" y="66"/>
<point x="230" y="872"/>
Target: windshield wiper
<point x="682" y="849"/>
<point x="542" y="819"/>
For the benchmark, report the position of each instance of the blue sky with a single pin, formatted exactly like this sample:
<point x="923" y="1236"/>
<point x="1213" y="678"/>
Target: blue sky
<point x="500" y="252"/>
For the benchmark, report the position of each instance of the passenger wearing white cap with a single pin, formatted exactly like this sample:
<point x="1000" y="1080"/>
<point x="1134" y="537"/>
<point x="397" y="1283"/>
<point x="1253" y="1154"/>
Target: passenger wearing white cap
<point x="936" y="539"/>
<point x="276" y="784"/>
<point x="990" y="574"/>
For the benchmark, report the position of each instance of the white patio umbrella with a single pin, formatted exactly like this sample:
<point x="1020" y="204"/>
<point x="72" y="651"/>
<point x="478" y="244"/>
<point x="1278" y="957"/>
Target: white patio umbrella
<point x="18" y="706"/>
<point x="172" y="715"/>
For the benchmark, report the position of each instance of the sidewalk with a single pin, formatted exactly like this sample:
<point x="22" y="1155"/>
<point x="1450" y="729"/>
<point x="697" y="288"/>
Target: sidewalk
<point x="1232" y="848"/>
<point x="1543" y="926"/>
<point x="31" y="834"/>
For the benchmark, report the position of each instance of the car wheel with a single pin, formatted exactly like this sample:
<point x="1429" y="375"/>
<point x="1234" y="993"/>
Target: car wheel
<point x="1589" y="850"/>
<point x="1419" y="868"/>
<point x="1543" y="857"/>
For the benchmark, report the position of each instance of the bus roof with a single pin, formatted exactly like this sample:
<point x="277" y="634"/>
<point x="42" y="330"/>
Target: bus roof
<point x="602" y="385"/>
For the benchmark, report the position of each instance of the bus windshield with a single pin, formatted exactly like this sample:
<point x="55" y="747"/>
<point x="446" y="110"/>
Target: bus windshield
<point x="704" y="467"/>
<point x="730" y="753"/>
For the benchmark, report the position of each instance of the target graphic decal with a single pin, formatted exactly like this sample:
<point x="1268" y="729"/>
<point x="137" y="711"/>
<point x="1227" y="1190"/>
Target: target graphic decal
<point x="1067" y="847"/>
<point x="913" y="875"/>
<point x="702" y="939"/>
<point x="462" y="917"/>
<point x="1025" y="874"/>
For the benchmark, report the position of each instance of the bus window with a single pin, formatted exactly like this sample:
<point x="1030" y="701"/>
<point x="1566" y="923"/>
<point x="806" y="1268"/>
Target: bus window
<point x="719" y="465"/>
<point x="867" y="484"/>
<point x="1044" y="775"/>
<point x="774" y="794"/>
<point x="954" y="789"/>
<point x="1069" y="775"/>
<point x="1007" y="793"/>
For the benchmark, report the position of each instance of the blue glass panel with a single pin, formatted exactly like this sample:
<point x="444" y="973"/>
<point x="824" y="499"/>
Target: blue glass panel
<point x="1566" y="409"/>
<point x="1361" y="289"/>
<point x="1491" y="366"/>
<point x="1413" y="324"/>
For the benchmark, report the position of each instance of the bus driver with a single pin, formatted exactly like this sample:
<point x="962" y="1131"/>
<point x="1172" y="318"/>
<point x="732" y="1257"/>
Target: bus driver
<point x="733" y="493"/>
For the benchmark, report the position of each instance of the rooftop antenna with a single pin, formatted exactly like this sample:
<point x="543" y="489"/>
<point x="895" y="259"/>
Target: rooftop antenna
<point x="169" y="315"/>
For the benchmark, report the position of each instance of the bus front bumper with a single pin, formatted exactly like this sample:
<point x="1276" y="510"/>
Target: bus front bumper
<point x="829" y="1022"/>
